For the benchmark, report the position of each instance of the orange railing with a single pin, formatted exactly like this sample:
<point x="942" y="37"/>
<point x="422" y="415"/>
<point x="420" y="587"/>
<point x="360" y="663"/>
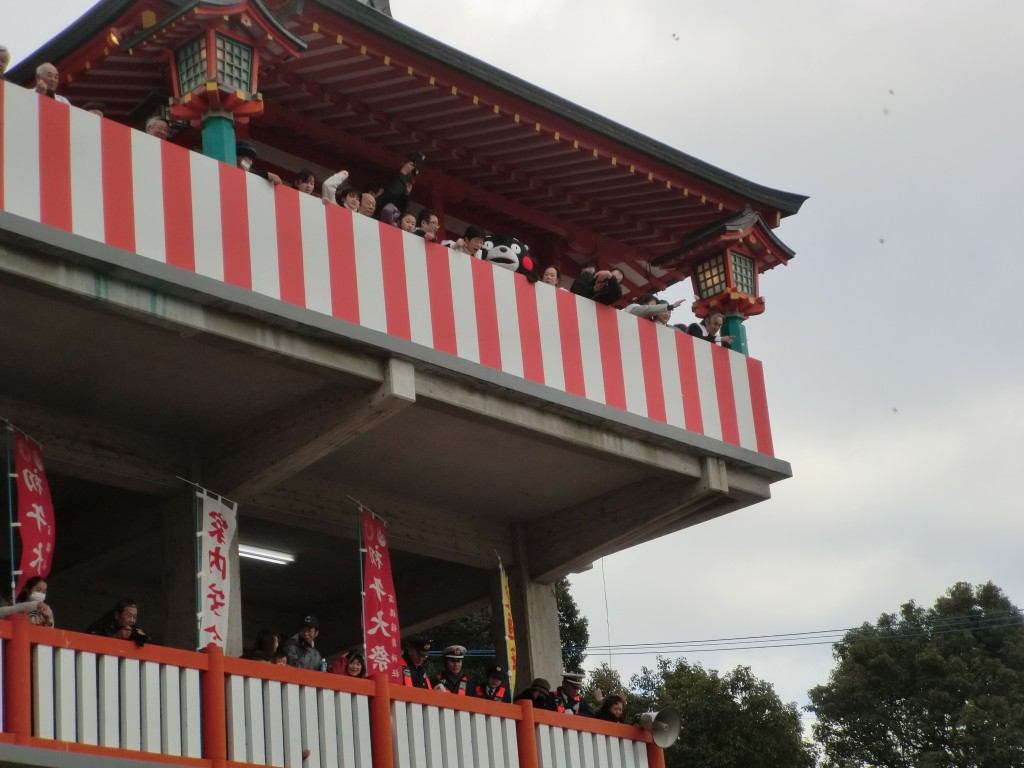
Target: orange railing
<point x="92" y="695"/>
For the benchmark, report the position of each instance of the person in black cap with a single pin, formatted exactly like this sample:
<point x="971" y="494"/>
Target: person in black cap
<point x="300" y="647"/>
<point x="413" y="674"/>
<point x="494" y="687"/>
<point x="452" y="680"/>
<point x="567" y="697"/>
<point x="540" y="693"/>
<point x="245" y="151"/>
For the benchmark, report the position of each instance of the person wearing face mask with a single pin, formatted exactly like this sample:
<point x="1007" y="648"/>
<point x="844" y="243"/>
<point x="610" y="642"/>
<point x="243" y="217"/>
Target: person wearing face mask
<point x="32" y="601"/>
<point x="34" y="591"/>
<point x="245" y="151"/>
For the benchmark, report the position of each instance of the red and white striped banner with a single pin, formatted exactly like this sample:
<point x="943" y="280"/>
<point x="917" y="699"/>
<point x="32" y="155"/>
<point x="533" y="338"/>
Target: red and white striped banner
<point x="35" y="511"/>
<point x="69" y="169"/>
<point x="217" y="529"/>
<point x="381" y="632"/>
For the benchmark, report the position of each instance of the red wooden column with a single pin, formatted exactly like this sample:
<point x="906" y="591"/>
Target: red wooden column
<point x="18" y="681"/>
<point x="655" y="756"/>
<point x="215" y="731"/>
<point x="380" y="724"/>
<point x="526" y="736"/>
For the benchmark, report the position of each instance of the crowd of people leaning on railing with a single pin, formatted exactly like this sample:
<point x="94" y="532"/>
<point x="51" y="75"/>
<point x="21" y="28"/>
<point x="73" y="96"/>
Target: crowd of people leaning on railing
<point x="390" y="204"/>
<point x="300" y="651"/>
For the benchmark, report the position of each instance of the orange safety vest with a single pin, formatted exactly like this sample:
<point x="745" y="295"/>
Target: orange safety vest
<point x="574" y="709"/>
<point x="408" y="681"/>
<point x="498" y="695"/>
<point x="439" y="681"/>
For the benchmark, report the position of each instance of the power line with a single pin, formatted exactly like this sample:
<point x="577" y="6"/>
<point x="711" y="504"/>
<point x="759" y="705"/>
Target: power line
<point x="939" y="626"/>
<point x="944" y="625"/>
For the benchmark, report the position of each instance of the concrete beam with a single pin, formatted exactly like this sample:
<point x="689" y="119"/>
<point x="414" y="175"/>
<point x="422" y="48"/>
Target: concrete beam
<point x="186" y="310"/>
<point x="101" y="453"/>
<point x="327" y="507"/>
<point x="558" y="428"/>
<point x="267" y="452"/>
<point x="623" y="518"/>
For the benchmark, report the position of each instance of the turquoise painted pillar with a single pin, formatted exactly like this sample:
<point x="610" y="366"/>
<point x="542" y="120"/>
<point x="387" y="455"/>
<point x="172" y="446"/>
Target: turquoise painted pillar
<point x="733" y="326"/>
<point x="219" y="137"/>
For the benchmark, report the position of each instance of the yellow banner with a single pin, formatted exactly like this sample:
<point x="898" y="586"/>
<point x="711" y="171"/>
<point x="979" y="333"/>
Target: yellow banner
<point x="510" y="633"/>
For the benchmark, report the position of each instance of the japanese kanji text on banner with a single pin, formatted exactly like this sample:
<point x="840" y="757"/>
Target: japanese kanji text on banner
<point x="35" y="510"/>
<point x="510" y="633"/>
<point x="216" y="534"/>
<point x="380" y="608"/>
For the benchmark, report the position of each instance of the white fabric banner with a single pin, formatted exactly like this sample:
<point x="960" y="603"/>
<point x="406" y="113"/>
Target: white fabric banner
<point x="217" y="530"/>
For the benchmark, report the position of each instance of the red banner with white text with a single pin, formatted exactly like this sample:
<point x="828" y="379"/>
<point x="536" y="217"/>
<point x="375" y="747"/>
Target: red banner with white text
<point x="35" y="511"/>
<point x="380" y="608"/>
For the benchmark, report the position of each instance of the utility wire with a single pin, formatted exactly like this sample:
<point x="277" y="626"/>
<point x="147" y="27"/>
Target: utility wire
<point x="968" y="623"/>
<point x="939" y="626"/>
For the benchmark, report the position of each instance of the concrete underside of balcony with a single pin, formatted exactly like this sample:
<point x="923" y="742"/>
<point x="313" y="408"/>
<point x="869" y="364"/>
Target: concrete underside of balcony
<point x="131" y="384"/>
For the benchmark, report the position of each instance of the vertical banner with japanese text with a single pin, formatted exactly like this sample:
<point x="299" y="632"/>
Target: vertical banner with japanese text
<point x="35" y="511"/>
<point x="380" y="608"/>
<point x="510" y="633"/>
<point x="216" y="534"/>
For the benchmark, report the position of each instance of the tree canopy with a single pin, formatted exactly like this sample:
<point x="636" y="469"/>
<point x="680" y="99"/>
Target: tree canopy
<point x="733" y="720"/>
<point x="941" y="687"/>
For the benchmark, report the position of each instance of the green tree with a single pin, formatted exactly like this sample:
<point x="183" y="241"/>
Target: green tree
<point x="475" y="632"/>
<point x="573" y="628"/>
<point x="607" y="680"/>
<point x="733" y="720"/>
<point x="928" y="688"/>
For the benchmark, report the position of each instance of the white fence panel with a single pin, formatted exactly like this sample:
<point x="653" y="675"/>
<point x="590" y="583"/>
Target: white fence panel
<point x="327" y="727"/>
<point x="87" y="699"/>
<point x="256" y="744"/>
<point x="191" y="713"/>
<point x="42" y="692"/>
<point x="170" y="708"/>
<point x="64" y="694"/>
<point x="108" y="677"/>
<point x="273" y="722"/>
<point x="131" y="706"/>
<point x="234" y="699"/>
<point x="149" y="696"/>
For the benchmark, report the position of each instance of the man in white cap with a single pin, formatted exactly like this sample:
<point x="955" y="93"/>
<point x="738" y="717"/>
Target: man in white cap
<point x="567" y="697"/>
<point x="452" y="680"/>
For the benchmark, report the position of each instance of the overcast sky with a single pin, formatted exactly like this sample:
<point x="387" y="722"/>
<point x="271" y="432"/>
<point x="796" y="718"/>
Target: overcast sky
<point x="891" y="343"/>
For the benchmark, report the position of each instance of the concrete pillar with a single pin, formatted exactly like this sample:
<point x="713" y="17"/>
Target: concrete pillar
<point x="178" y="578"/>
<point x="178" y="571"/>
<point x="535" y="613"/>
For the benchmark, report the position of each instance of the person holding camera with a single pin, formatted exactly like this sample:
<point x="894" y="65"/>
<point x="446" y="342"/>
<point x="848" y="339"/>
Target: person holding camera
<point x="396" y="193"/>
<point x="120" y="621"/>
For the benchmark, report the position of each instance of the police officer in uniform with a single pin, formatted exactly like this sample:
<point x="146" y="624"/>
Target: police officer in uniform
<point x="452" y="680"/>
<point x="494" y="687"/>
<point x="413" y="674"/>
<point x="567" y="697"/>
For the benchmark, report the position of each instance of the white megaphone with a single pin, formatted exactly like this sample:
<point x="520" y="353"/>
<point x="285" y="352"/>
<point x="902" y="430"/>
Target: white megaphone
<point x="663" y="726"/>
